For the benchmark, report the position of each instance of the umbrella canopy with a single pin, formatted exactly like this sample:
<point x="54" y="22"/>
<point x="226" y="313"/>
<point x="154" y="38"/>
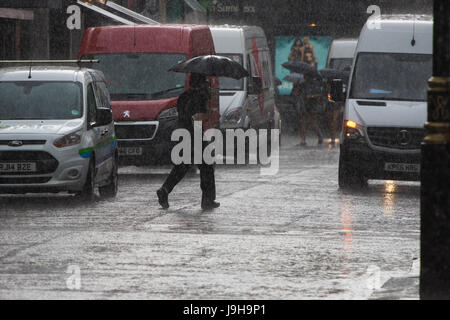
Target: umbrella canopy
<point x="300" y="67"/>
<point x="277" y="81"/>
<point x="330" y="74"/>
<point x="294" y="78"/>
<point x="212" y="65"/>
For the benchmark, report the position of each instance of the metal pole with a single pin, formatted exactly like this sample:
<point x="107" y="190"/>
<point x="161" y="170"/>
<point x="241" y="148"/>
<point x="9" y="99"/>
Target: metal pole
<point x="435" y="167"/>
<point x="162" y="10"/>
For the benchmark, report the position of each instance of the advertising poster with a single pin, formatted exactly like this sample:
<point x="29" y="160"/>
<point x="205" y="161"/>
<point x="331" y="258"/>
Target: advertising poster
<point x="309" y="49"/>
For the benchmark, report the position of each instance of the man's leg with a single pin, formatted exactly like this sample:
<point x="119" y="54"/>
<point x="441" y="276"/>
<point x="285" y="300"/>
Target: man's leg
<point x="176" y="174"/>
<point x="208" y="186"/>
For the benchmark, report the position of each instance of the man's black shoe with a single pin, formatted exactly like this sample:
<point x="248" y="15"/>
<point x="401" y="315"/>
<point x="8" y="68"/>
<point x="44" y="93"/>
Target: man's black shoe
<point x="208" y="205"/>
<point x="163" y="198"/>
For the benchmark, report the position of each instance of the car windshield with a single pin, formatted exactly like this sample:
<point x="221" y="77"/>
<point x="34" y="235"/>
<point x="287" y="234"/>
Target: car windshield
<point x="141" y="76"/>
<point x="230" y="83"/>
<point x="342" y="64"/>
<point x="391" y="76"/>
<point x="40" y="100"/>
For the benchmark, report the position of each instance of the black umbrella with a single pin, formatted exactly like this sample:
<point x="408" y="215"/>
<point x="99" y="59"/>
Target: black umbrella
<point x="295" y="78"/>
<point x="212" y="65"/>
<point x="300" y="67"/>
<point x="277" y="82"/>
<point x="331" y="74"/>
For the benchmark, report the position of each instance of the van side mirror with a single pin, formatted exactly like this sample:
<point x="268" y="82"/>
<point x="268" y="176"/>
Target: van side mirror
<point x="255" y="85"/>
<point x="337" y="90"/>
<point x="103" y="117"/>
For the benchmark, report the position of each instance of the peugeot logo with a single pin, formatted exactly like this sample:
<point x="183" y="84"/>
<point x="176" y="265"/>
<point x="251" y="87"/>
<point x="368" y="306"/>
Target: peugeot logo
<point x="126" y="114"/>
<point x="15" y="143"/>
<point x="404" y="137"/>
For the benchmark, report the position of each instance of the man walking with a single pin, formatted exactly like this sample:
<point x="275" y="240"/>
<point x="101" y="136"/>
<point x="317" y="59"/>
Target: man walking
<point x="192" y="102"/>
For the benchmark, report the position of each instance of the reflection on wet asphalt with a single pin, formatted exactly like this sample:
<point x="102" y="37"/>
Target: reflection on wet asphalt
<point x="289" y="236"/>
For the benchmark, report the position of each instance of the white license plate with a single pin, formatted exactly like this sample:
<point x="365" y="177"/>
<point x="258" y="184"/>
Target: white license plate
<point x="18" y="167"/>
<point x="130" y="151"/>
<point x="402" y="167"/>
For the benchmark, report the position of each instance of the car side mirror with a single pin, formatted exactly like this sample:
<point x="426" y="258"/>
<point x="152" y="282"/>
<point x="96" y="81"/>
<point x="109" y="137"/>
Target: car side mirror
<point x="337" y="90"/>
<point x="104" y="117"/>
<point x="255" y="85"/>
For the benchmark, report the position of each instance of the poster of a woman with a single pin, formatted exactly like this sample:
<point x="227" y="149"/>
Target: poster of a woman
<point x="309" y="49"/>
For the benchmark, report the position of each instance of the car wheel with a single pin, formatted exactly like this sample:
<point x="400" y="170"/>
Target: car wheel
<point x="349" y="177"/>
<point x="110" y="190"/>
<point x="88" y="192"/>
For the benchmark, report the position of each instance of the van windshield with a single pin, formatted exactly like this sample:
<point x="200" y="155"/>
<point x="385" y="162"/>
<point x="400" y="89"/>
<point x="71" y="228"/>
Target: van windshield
<point x="141" y="76"/>
<point x="230" y="83"/>
<point x="391" y="76"/>
<point x="40" y="100"/>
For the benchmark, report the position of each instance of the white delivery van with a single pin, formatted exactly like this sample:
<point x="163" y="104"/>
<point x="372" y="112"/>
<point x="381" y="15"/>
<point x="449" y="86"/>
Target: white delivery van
<point x="386" y="106"/>
<point x="248" y="102"/>
<point x="340" y="55"/>
<point x="56" y="132"/>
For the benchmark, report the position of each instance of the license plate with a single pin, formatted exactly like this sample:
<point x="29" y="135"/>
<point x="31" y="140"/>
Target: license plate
<point x="130" y="151"/>
<point x="402" y="167"/>
<point x="17" y="167"/>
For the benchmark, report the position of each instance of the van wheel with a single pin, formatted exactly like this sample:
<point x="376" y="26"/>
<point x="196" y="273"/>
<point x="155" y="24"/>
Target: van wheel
<point x="110" y="190"/>
<point x="349" y="179"/>
<point x="88" y="192"/>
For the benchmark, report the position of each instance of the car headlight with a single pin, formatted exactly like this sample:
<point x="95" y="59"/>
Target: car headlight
<point x="353" y="131"/>
<point x="169" y="113"/>
<point x="70" y="139"/>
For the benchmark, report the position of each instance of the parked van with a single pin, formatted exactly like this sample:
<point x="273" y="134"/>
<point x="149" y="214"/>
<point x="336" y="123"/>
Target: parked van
<point x="386" y="106"/>
<point x="248" y="102"/>
<point x="136" y="60"/>
<point x="56" y="132"/>
<point x="340" y="55"/>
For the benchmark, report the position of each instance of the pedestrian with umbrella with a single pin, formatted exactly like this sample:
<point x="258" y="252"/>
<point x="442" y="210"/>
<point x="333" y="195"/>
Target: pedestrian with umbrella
<point x="307" y="96"/>
<point x="194" y="102"/>
<point x="333" y="108"/>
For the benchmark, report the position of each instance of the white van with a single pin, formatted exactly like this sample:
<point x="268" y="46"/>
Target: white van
<point x="386" y="105"/>
<point x="340" y="55"/>
<point x="249" y="102"/>
<point x="56" y="132"/>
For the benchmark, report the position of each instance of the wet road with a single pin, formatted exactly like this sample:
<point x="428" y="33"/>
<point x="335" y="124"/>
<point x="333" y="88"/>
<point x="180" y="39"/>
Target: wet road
<point x="289" y="236"/>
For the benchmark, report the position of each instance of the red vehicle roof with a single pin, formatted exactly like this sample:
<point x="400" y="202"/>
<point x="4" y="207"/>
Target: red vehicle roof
<point x="165" y="38"/>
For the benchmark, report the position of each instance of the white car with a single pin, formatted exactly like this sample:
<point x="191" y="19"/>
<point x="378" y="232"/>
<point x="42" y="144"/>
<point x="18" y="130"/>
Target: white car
<point x="56" y="132"/>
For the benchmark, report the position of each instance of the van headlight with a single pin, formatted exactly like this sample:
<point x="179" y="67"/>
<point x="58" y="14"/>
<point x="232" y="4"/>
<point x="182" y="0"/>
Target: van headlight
<point x="70" y="139"/>
<point x="168" y="113"/>
<point x="353" y="131"/>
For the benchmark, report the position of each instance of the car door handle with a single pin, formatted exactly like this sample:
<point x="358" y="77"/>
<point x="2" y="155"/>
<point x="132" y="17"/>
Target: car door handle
<point x="104" y="132"/>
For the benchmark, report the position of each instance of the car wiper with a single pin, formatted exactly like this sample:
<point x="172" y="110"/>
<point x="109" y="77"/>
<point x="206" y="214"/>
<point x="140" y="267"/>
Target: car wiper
<point x="159" y="93"/>
<point x="143" y="96"/>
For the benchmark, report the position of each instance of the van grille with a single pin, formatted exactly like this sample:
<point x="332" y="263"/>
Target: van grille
<point x="397" y="138"/>
<point x="27" y="180"/>
<point x="45" y="162"/>
<point x="24" y="142"/>
<point x="135" y="131"/>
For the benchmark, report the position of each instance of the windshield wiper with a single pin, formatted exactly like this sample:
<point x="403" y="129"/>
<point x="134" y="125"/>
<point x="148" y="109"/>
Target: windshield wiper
<point x="142" y="96"/>
<point x="159" y="93"/>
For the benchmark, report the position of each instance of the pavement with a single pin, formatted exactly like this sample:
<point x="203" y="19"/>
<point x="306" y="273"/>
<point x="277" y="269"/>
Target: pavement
<point x="291" y="236"/>
<point x="400" y="288"/>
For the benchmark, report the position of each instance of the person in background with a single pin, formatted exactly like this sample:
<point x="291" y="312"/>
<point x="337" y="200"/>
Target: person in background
<point x="192" y="103"/>
<point x="308" y="98"/>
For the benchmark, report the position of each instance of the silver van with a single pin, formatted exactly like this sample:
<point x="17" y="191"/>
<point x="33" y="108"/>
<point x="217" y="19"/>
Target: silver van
<point x="56" y="132"/>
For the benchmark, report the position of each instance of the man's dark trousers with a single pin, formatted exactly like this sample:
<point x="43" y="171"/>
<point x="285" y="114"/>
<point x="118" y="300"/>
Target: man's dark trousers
<point x="207" y="181"/>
